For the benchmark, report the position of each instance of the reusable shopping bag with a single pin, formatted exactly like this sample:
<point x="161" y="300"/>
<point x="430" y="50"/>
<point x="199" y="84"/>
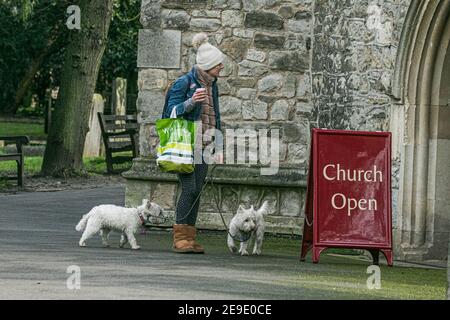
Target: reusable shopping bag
<point x="175" y="153"/>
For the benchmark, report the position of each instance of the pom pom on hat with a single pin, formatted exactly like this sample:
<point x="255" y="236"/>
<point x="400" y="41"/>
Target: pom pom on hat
<point x="208" y="56"/>
<point x="199" y="39"/>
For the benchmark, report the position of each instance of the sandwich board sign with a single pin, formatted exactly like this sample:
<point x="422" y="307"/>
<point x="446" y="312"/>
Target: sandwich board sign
<point x="348" y="201"/>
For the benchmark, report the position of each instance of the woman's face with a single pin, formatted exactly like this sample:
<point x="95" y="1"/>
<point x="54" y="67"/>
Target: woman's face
<point x="214" y="72"/>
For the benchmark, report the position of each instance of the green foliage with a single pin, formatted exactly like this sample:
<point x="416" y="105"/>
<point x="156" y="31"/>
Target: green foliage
<point x="27" y="28"/>
<point x="30" y="108"/>
<point x="120" y="55"/>
<point x="95" y="165"/>
<point x="27" y="8"/>
<point x="33" y="130"/>
<point x="32" y="166"/>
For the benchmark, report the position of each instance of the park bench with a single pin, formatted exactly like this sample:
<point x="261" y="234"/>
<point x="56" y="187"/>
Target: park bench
<point x="18" y="156"/>
<point x="120" y="134"/>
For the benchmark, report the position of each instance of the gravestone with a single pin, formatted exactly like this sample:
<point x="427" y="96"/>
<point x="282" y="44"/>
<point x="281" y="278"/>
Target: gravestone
<point x="119" y="97"/>
<point x="93" y="143"/>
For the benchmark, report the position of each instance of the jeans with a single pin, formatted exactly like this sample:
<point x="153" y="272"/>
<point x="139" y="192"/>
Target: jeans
<point x="191" y="185"/>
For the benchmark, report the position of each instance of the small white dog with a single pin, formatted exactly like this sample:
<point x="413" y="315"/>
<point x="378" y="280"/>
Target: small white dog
<point x="107" y="217"/>
<point x="245" y="224"/>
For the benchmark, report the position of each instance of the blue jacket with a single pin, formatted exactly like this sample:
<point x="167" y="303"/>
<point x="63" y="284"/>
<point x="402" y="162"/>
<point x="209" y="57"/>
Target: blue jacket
<point x="180" y="97"/>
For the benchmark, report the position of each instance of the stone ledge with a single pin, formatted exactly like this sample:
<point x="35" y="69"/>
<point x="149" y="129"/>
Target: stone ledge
<point x="233" y="185"/>
<point x="146" y="169"/>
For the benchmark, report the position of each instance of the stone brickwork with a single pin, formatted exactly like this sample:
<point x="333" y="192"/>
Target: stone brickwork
<point x="266" y="75"/>
<point x="292" y="65"/>
<point x="353" y="60"/>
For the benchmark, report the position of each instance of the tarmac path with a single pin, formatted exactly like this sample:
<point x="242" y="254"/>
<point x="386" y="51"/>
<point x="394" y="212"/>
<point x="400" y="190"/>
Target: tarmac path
<point x="38" y="242"/>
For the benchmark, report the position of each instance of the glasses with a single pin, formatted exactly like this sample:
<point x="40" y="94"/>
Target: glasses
<point x="219" y="66"/>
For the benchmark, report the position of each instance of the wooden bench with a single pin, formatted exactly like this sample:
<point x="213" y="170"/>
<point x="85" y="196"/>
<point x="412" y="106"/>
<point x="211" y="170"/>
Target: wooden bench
<point x="120" y="134"/>
<point x="18" y="156"/>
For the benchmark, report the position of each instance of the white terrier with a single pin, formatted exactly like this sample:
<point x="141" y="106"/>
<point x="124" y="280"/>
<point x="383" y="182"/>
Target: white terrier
<point x="107" y="217"/>
<point x="245" y="224"/>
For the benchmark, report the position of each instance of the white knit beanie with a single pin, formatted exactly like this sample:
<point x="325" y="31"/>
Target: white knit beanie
<point x="208" y="56"/>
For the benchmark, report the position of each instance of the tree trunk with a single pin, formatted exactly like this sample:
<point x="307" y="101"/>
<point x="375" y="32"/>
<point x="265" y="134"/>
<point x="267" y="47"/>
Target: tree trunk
<point x="64" y="152"/>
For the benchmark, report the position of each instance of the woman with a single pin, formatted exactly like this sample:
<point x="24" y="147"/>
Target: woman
<point x="195" y="96"/>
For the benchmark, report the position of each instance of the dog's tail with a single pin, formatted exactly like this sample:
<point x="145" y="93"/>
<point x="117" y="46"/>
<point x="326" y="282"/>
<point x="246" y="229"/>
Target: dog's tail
<point x="264" y="208"/>
<point x="82" y="224"/>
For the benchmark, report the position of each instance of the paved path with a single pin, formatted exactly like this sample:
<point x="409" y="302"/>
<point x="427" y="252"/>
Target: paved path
<point x="38" y="243"/>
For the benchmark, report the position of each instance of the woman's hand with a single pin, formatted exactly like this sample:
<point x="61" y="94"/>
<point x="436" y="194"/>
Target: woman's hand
<point x="218" y="157"/>
<point x="199" y="95"/>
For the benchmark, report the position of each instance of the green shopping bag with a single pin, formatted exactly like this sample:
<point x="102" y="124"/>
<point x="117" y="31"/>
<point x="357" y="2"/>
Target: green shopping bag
<point x="176" y="145"/>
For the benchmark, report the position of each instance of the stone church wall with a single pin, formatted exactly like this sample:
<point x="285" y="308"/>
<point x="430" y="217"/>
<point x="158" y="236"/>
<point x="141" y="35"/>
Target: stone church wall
<point x="292" y="65"/>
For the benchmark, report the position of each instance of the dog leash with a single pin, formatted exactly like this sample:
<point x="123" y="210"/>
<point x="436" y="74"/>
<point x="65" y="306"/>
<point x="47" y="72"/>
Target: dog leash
<point x="216" y="200"/>
<point x="244" y="238"/>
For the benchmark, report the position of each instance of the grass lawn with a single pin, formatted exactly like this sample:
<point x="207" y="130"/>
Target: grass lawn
<point x="33" y="165"/>
<point x="336" y="276"/>
<point x="33" y="130"/>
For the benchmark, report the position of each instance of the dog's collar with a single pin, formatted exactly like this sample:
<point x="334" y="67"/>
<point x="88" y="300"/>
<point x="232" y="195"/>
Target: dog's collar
<point x="244" y="236"/>
<point x="141" y="218"/>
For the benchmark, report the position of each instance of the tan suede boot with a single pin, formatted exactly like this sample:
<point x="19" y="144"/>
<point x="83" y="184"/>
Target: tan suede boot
<point x="181" y="239"/>
<point x="192" y="232"/>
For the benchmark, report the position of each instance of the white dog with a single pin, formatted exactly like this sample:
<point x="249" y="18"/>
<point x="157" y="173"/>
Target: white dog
<point x="245" y="224"/>
<point x="107" y="217"/>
